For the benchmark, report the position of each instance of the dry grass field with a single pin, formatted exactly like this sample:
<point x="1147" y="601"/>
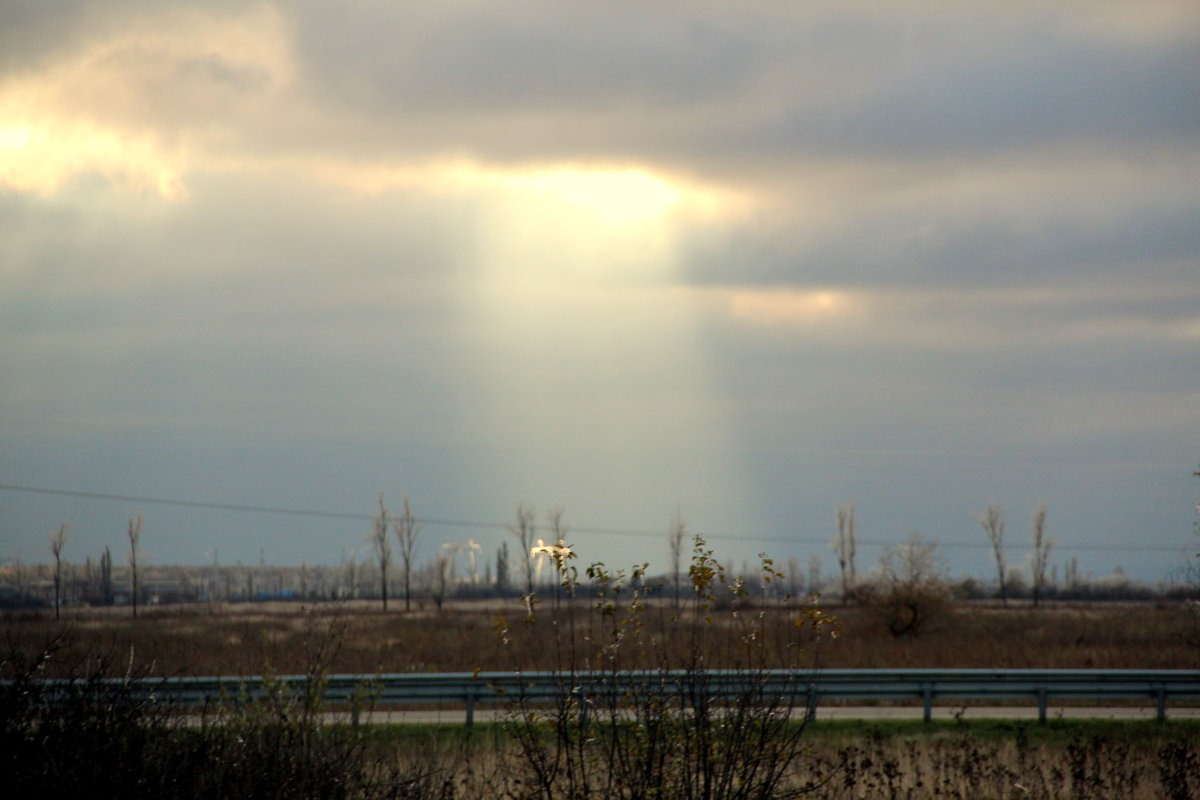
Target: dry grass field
<point x="106" y="745"/>
<point x="283" y="638"/>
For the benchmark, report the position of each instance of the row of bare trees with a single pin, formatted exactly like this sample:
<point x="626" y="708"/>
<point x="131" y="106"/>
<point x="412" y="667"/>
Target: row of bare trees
<point x="58" y="543"/>
<point x="993" y="524"/>
<point x="531" y="549"/>
<point x="845" y="545"/>
<point x="406" y="530"/>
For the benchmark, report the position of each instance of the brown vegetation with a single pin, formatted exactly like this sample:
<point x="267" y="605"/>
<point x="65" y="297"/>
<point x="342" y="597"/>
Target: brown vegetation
<point x="608" y="745"/>
<point x="278" y="637"/>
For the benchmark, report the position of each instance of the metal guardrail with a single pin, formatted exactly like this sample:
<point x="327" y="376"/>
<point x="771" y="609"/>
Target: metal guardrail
<point x="797" y="690"/>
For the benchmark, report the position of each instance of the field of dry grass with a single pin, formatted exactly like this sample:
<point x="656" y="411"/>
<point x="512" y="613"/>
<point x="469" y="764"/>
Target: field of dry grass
<point x="281" y="638"/>
<point x="281" y="750"/>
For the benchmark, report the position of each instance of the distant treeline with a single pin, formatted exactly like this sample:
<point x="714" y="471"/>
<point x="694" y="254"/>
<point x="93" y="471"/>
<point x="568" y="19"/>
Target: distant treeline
<point x="99" y="583"/>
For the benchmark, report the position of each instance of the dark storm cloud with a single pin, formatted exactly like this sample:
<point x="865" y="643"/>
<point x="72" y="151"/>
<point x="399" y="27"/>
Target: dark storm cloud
<point x="34" y="33"/>
<point x="1039" y="229"/>
<point x="1029" y="89"/>
<point x="746" y="93"/>
<point x="517" y="58"/>
<point x="714" y="85"/>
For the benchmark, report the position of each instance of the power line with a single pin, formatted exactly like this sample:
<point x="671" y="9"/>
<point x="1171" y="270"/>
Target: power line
<point x="348" y="515"/>
<point x="302" y="512"/>
<point x="187" y="503"/>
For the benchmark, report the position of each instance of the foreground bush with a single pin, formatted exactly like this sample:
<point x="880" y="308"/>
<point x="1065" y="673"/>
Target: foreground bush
<point x="1129" y="761"/>
<point x="100" y="733"/>
<point x="692" y="731"/>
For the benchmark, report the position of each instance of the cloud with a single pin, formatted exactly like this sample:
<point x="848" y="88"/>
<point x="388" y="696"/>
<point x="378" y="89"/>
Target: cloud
<point x="132" y="103"/>
<point x="702" y="87"/>
<point x="686" y="252"/>
<point x="1047" y="219"/>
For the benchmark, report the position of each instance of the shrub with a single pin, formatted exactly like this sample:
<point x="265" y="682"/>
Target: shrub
<point x="102" y="733"/>
<point x="686" y="730"/>
<point x="910" y="587"/>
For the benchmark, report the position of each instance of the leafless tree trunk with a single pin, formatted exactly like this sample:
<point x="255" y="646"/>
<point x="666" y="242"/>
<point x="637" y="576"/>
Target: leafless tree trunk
<point x="1041" y="552"/>
<point x="383" y="548"/>
<point x="214" y="581"/>
<point x="794" y="577"/>
<point x="106" y="581"/>
<point x="847" y="548"/>
<point x="135" y="536"/>
<point x="350" y="565"/>
<point x="523" y="531"/>
<point x="58" y="540"/>
<point x="992" y="522"/>
<point x="675" y="537"/>
<point x="556" y="526"/>
<point x="559" y="551"/>
<point x="441" y="579"/>
<point x="502" y="567"/>
<point x="406" y="532"/>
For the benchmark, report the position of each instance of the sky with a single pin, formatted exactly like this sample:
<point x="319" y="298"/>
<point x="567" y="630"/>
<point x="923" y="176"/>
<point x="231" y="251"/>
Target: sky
<point x="741" y="262"/>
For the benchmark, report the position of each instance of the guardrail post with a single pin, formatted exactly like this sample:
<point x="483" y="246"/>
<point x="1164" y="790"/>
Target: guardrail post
<point x="470" y="709"/>
<point x="1161" y="698"/>
<point x="927" y="694"/>
<point x="1042" y="695"/>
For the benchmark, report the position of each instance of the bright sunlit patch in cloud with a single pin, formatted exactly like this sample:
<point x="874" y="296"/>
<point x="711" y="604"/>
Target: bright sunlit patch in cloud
<point x="614" y="197"/>
<point x="129" y="103"/>
<point x="783" y="307"/>
<point x="15" y="138"/>
<point x="561" y="226"/>
<point x="611" y="195"/>
<point x="41" y="160"/>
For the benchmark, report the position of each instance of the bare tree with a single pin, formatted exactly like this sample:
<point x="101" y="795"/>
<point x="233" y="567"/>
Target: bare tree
<point x="442" y="573"/>
<point x="1189" y="576"/>
<point x="1040" y="556"/>
<point x="214" y="581"/>
<point x="815" y="580"/>
<point x="58" y="540"/>
<point x="558" y="551"/>
<point x="350" y="565"/>
<point x="383" y="548"/>
<point x="106" y="581"/>
<point x="911" y="586"/>
<point x="1071" y="574"/>
<point x="794" y="579"/>
<point x="675" y="537"/>
<point x="846" y="546"/>
<point x="556" y="526"/>
<point x="502" y="567"/>
<point x="135" y="537"/>
<point x="406" y="530"/>
<point x="523" y="531"/>
<point x="992" y="522"/>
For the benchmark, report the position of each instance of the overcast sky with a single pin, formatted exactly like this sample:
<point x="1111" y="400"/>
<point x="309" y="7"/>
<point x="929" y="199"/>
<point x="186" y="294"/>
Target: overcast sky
<point x="748" y="260"/>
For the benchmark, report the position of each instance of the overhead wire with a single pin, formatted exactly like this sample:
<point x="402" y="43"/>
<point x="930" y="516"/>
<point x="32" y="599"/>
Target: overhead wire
<point x="502" y="526"/>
